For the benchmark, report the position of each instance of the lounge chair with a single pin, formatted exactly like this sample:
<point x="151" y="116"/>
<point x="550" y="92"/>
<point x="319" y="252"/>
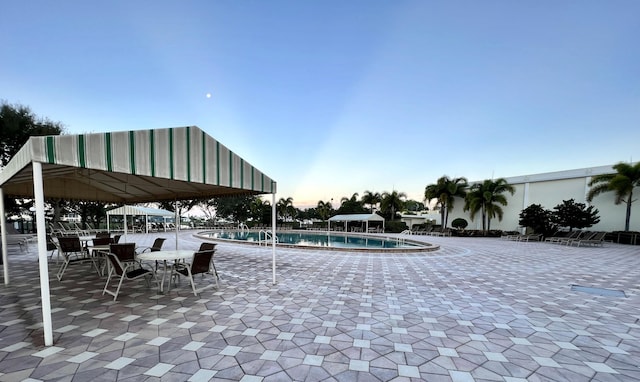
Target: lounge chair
<point x="530" y="237"/>
<point x="567" y="236"/>
<point x="586" y="235"/>
<point x="596" y="240"/>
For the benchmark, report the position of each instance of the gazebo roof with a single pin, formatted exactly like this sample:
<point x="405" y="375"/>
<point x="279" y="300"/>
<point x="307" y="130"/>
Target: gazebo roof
<point x="133" y="167"/>
<point x="356" y="217"/>
<point x="137" y="210"/>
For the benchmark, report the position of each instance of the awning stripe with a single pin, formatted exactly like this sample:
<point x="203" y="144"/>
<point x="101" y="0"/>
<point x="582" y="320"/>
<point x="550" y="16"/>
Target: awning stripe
<point x="51" y="150"/>
<point x="217" y="163"/>
<point x="188" y="140"/>
<point x="152" y="151"/>
<point x="107" y="141"/>
<point x="81" y="152"/>
<point x="171" y="175"/>
<point x="132" y="152"/>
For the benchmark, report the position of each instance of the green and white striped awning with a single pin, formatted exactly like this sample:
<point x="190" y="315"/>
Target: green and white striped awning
<point x="132" y="167"/>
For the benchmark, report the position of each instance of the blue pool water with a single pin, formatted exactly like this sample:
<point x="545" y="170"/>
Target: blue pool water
<point x="319" y="239"/>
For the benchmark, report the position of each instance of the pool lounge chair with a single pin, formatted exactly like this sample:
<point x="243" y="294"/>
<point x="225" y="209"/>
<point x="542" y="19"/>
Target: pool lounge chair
<point x="596" y="240"/>
<point x="530" y="237"/>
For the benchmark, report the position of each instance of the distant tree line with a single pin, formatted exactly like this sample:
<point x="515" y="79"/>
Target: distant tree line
<point x="484" y="199"/>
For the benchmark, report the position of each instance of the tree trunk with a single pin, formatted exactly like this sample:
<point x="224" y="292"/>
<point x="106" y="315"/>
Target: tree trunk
<point x="628" y="217"/>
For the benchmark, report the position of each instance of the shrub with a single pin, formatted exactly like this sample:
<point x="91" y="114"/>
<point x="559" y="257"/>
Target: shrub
<point x="459" y="223"/>
<point x="395" y="226"/>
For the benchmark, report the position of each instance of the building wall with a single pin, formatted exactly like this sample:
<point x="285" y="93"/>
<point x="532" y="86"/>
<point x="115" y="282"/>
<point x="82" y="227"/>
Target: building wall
<point x="549" y="190"/>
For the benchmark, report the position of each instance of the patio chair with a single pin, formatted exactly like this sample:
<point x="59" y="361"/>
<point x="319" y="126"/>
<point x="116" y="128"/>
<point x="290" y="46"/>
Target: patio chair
<point x="51" y="246"/>
<point x="122" y="265"/>
<point x="155" y="247"/>
<point x="200" y="264"/>
<point x="210" y="247"/>
<point x="71" y="250"/>
<point x="115" y="239"/>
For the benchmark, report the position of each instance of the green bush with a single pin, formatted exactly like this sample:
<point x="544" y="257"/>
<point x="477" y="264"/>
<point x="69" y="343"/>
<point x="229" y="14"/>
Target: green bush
<point x="459" y="223"/>
<point x="395" y="226"/>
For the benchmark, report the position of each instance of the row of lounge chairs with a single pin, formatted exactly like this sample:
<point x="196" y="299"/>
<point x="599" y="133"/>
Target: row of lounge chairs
<point x="577" y="238"/>
<point x="518" y="237"/>
<point x="580" y="238"/>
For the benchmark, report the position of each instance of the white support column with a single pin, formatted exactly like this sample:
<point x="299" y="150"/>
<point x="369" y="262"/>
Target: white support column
<point x="273" y="236"/>
<point x="3" y="231"/>
<point x="177" y="219"/>
<point x="38" y="192"/>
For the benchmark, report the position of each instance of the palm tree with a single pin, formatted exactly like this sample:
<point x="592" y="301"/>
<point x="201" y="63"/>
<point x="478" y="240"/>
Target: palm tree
<point x="626" y="178"/>
<point x="283" y="207"/>
<point x="371" y="199"/>
<point x="392" y="202"/>
<point x="445" y="191"/>
<point x="324" y="209"/>
<point x="487" y="198"/>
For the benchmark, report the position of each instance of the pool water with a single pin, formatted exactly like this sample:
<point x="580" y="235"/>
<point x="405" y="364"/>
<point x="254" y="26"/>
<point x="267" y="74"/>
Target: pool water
<point x="317" y="239"/>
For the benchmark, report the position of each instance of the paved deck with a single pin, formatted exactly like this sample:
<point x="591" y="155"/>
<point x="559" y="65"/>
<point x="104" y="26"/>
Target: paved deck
<point x="476" y="310"/>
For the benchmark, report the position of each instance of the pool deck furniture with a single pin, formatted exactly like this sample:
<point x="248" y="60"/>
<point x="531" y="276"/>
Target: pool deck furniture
<point x="164" y="256"/>
<point x="478" y="309"/>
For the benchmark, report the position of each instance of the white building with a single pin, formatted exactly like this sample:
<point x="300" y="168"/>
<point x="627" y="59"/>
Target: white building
<point x="550" y="189"/>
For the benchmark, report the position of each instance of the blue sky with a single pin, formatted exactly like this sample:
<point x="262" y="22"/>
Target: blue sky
<point x="330" y="98"/>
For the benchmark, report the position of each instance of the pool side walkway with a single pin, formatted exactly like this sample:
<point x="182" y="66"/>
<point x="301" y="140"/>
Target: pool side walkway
<point x="476" y="310"/>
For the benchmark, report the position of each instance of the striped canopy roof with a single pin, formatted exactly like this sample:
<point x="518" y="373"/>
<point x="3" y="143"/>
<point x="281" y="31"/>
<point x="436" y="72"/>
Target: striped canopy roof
<point x="132" y="167"/>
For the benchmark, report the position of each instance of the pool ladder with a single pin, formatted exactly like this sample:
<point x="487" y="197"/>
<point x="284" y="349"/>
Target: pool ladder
<point x="265" y="237"/>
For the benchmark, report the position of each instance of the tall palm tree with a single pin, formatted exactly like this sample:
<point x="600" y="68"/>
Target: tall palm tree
<point x="324" y="209"/>
<point x="626" y="178"/>
<point x="371" y="198"/>
<point x="392" y="202"/>
<point x="487" y="198"/>
<point x="283" y="207"/>
<point x="445" y="190"/>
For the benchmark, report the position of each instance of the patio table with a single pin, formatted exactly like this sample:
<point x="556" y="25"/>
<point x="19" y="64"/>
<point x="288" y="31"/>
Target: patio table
<point x="165" y="256"/>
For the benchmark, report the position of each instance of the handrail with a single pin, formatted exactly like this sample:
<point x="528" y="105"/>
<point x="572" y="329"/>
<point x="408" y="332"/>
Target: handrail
<point x="267" y="237"/>
<point x="243" y="227"/>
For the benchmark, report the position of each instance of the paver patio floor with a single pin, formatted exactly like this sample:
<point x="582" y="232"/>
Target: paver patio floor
<point x="475" y="310"/>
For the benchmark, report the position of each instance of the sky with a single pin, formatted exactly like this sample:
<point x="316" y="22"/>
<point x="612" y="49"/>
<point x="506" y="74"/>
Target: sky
<point x="332" y="98"/>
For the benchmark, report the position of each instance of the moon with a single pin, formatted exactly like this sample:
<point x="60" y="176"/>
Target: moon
<point x="208" y="95"/>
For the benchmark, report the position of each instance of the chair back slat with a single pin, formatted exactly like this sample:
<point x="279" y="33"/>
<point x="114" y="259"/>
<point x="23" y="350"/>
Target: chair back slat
<point x="157" y="244"/>
<point x="101" y="241"/>
<point x="70" y="244"/>
<point x="124" y="251"/>
<point x="201" y="262"/>
<point x="207" y="247"/>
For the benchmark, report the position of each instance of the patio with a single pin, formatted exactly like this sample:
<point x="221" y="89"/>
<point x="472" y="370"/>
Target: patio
<point x="476" y="310"/>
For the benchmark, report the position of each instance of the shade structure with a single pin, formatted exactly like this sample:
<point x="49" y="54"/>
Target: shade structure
<point x="140" y="211"/>
<point x="124" y="167"/>
<point x="357" y="218"/>
<point x="132" y="167"/>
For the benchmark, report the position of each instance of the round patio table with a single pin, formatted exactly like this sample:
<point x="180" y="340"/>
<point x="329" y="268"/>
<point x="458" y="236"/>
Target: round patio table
<point x="165" y="256"/>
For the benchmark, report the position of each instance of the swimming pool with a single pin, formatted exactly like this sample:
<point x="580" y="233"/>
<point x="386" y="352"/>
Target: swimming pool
<point x="323" y="240"/>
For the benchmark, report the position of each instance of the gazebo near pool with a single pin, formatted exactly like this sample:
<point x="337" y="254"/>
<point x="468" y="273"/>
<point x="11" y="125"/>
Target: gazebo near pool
<point x="356" y="218"/>
<point x="126" y="211"/>
<point x="125" y="167"/>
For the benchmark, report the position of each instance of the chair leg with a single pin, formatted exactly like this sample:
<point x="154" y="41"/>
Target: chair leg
<point x="63" y="268"/>
<point x="193" y="284"/>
